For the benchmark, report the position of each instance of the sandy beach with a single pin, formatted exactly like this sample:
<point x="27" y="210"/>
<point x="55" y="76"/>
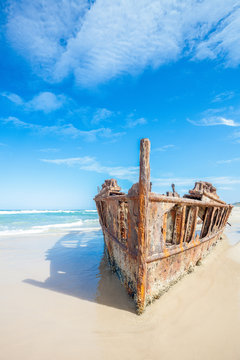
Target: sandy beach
<point x="60" y="301"/>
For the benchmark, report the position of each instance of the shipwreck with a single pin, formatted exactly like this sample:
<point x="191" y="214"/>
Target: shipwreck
<point x="152" y="240"/>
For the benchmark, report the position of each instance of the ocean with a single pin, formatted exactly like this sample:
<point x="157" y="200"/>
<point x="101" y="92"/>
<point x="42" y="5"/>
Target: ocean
<point x="20" y="222"/>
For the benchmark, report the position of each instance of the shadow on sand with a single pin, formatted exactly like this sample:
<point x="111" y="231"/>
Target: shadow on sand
<point x="78" y="267"/>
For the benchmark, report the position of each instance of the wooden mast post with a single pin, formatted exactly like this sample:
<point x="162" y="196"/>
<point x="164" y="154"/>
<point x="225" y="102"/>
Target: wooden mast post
<point x="144" y="188"/>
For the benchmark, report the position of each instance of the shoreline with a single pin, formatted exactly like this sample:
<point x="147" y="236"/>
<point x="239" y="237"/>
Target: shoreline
<point x="60" y="300"/>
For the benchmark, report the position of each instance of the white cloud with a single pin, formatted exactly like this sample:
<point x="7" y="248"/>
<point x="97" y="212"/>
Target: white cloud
<point x="13" y="97"/>
<point x="164" y="148"/>
<point x="41" y="29"/>
<point x="91" y="164"/>
<point x="224" y="96"/>
<point x="131" y="122"/>
<point x="236" y="135"/>
<point x="214" y="120"/>
<point x="160" y="182"/>
<point x="226" y="188"/>
<point x="228" y="161"/>
<point x="49" y="150"/>
<point x="224" y="41"/>
<point x="45" y="101"/>
<point x="110" y="38"/>
<point x="65" y="130"/>
<point x="223" y="180"/>
<point x="18" y="123"/>
<point x="215" y="180"/>
<point x="100" y="115"/>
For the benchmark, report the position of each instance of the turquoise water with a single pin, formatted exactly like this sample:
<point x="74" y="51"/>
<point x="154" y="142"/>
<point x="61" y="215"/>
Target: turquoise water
<point x="14" y="222"/>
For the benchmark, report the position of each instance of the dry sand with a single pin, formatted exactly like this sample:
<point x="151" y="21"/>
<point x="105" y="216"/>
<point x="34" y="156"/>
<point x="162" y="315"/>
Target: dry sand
<point x="69" y="306"/>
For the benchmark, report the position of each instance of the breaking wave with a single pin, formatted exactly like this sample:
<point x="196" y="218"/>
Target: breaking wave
<point x="16" y="212"/>
<point x="55" y="222"/>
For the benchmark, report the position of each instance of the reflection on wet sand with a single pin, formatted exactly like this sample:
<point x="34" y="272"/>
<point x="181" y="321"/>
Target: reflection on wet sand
<point x="78" y="268"/>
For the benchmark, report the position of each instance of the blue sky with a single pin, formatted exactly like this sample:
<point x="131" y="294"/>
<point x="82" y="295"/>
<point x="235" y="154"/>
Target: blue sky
<point x="81" y="82"/>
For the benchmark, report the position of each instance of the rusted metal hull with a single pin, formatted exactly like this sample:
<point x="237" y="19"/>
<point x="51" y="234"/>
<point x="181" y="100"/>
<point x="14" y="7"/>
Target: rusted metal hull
<point x="152" y="240"/>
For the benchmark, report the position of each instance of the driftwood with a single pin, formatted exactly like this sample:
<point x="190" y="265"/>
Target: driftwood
<point x="151" y="240"/>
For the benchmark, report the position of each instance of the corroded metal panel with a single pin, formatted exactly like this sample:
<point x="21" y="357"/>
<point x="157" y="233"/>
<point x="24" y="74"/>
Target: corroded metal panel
<point x="122" y="225"/>
<point x="178" y="225"/>
<point x="151" y="240"/>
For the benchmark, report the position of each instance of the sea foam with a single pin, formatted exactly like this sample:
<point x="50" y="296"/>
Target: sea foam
<point x="15" y="212"/>
<point x="47" y="221"/>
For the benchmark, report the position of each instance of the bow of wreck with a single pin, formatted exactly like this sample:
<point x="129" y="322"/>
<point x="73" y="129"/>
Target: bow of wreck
<point x="152" y="240"/>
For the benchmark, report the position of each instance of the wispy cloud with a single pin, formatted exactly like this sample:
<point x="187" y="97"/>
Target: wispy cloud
<point x="108" y="38"/>
<point x="101" y="115"/>
<point x="214" y="120"/>
<point x="65" y="130"/>
<point x="164" y="148"/>
<point x="228" y="161"/>
<point x="224" y="96"/>
<point x="225" y="188"/>
<point x="16" y="99"/>
<point x="19" y="123"/>
<point x="91" y="164"/>
<point x="131" y="122"/>
<point x="45" y="101"/>
<point x="236" y="136"/>
<point x="219" y="181"/>
<point x="224" y="40"/>
<point x="224" y="180"/>
<point x="49" y="150"/>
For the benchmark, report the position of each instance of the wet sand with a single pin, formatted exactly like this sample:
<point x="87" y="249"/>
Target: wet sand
<point x="60" y="301"/>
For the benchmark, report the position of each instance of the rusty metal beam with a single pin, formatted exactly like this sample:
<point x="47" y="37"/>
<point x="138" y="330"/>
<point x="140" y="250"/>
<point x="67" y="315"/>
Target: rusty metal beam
<point x="164" y="233"/>
<point x="144" y="227"/>
<point x="215" y="226"/>
<point x="177" y="249"/>
<point x="211" y="221"/>
<point x="194" y="223"/>
<point x="213" y="198"/>
<point x="183" y="226"/>
<point x="187" y="225"/>
<point x="177" y="225"/>
<point x="226" y="217"/>
<point x="144" y="187"/>
<point x="122" y="246"/>
<point x="166" y="199"/>
<point x="221" y="218"/>
<point x="183" y="201"/>
<point x="204" y="222"/>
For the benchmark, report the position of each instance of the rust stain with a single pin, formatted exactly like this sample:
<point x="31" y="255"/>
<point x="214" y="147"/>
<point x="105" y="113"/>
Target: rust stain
<point x="152" y="240"/>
